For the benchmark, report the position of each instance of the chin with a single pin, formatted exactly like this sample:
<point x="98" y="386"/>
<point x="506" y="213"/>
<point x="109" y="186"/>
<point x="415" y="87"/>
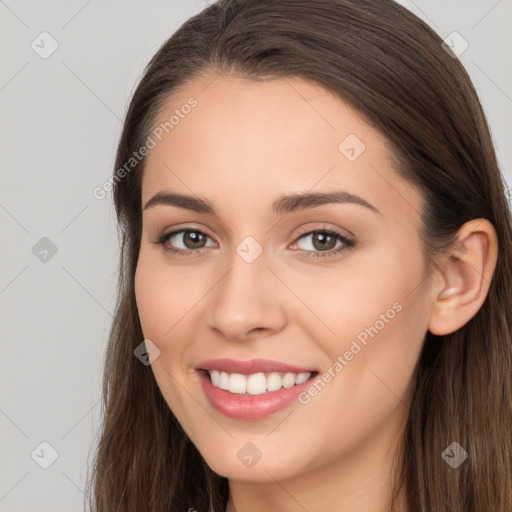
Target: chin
<point x="249" y="463"/>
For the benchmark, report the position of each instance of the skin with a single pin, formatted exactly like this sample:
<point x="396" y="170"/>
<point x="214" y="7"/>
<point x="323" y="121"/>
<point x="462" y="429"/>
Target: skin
<point x="244" y="145"/>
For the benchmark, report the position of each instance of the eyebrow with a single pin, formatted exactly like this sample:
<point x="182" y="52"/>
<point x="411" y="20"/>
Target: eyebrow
<point x="282" y="205"/>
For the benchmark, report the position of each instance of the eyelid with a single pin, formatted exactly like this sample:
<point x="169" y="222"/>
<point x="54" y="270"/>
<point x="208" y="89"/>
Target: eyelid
<point x="186" y="227"/>
<point x="324" y="227"/>
<point x="329" y="227"/>
<point x="164" y="237"/>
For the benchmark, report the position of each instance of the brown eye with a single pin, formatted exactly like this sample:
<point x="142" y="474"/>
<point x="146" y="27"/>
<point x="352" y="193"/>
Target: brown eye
<point x="322" y="240"/>
<point x="191" y="239"/>
<point x="184" y="241"/>
<point x="322" y="243"/>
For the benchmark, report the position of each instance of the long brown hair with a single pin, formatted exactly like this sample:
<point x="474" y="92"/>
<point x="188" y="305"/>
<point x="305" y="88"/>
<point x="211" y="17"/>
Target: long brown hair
<point x="390" y="67"/>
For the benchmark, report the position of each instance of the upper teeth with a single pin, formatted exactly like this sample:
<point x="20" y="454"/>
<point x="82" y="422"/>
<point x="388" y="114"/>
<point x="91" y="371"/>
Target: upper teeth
<point x="256" y="383"/>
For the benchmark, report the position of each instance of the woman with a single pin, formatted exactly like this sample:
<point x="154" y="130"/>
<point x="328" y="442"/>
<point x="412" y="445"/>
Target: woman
<point x="315" y="275"/>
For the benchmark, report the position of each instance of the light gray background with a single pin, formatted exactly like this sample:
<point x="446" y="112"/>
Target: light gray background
<point x="60" y="122"/>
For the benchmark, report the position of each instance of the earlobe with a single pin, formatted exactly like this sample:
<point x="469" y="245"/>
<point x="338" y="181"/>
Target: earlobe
<point x="466" y="277"/>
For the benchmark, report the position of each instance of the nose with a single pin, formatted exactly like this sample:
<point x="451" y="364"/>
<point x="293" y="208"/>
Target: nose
<point x="248" y="300"/>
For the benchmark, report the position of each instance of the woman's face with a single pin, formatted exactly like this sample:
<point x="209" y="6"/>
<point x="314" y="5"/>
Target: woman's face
<point x="348" y="304"/>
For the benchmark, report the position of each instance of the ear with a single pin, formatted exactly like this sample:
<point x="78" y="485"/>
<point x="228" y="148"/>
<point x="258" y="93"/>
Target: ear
<point x="466" y="274"/>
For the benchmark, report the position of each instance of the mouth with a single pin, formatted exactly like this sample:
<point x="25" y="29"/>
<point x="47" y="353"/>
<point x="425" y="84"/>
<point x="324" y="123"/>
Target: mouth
<point x="253" y="395"/>
<point x="252" y="389"/>
<point x="258" y="383"/>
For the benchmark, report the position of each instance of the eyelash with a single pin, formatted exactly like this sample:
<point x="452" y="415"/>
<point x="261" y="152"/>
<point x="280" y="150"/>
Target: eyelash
<point x="348" y="243"/>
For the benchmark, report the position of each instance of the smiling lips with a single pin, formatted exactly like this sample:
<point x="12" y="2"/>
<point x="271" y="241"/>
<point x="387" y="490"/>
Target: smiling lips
<point x="256" y="383"/>
<point x="255" y="376"/>
<point x="251" y="389"/>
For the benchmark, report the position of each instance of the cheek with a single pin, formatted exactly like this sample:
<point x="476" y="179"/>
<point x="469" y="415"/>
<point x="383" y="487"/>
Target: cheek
<point x="344" y="299"/>
<point x="162" y="310"/>
<point x="168" y="298"/>
<point x="379" y="317"/>
<point x="377" y="321"/>
<point x="156" y="300"/>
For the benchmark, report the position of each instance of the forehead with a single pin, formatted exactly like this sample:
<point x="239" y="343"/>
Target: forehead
<point x="254" y="140"/>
